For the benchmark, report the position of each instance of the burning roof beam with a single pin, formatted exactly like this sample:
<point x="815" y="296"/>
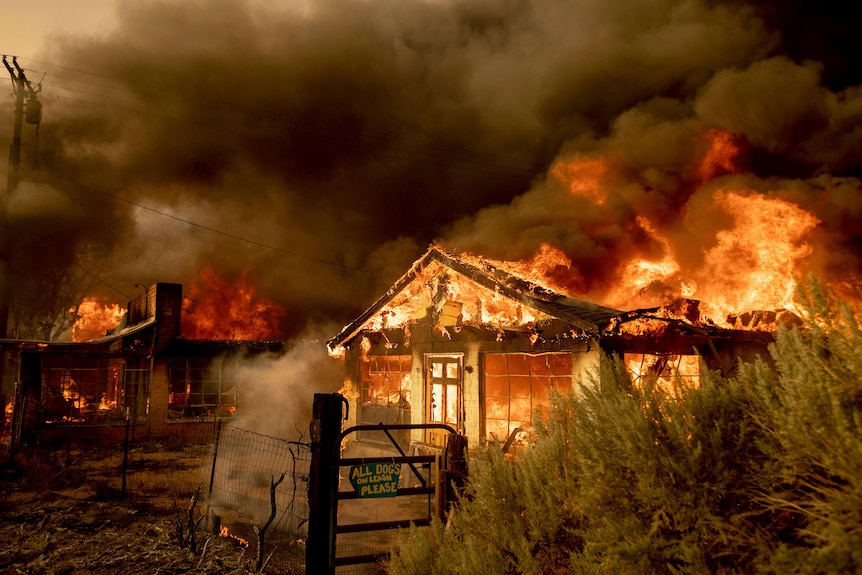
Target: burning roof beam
<point x="585" y="316"/>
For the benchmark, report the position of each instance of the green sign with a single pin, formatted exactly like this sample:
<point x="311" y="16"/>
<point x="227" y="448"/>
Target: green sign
<point x="375" y="479"/>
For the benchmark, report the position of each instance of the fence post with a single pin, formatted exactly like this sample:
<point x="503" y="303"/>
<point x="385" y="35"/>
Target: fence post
<point x="213" y="470"/>
<point x="456" y="467"/>
<point x="323" y="483"/>
<point x="125" y="455"/>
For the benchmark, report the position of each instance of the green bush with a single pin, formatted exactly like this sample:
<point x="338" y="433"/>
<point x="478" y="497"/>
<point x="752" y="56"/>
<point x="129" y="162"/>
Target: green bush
<point x="759" y="473"/>
<point x="811" y="410"/>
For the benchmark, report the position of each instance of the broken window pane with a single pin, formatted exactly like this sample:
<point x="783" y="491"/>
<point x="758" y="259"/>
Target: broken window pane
<point x="436" y="369"/>
<point x="452" y="403"/>
<point x="437" y="403"/>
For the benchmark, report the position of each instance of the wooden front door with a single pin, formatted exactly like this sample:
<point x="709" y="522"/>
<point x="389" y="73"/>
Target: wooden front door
<point x="444" y="384"/>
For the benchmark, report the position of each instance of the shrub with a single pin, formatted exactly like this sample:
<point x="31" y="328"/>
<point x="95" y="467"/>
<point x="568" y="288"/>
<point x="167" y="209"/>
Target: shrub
<point x="759" y="473"/>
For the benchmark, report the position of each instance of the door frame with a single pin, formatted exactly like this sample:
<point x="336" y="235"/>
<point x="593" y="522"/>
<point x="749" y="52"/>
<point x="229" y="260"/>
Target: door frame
<point x="433" y="436"/>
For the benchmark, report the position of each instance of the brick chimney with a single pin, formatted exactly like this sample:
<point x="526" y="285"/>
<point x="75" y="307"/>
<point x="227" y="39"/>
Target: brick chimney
<point x="166" y="302"/>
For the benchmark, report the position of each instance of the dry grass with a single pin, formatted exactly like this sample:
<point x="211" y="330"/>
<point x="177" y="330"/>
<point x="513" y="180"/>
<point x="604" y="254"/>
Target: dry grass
<point x="64" y="513"/>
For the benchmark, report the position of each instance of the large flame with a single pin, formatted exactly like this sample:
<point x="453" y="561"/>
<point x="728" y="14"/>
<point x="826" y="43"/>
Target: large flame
<point x="216" y="309"/>
<point x="95" y="319"/>
<point x="549" y="267"/>
<point x="754" y="264"/>
<point x="751" y="264"/>
<point x="746" y="259"/>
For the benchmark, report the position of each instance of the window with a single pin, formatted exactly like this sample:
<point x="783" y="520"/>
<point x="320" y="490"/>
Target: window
<point x="517" y="385"/>
<point x="386" y="381"/>
<point x="667" y="369"/>
<point x="94" y="389"/>
<point x="203" y="386"/>
<point x="385" y="396"/>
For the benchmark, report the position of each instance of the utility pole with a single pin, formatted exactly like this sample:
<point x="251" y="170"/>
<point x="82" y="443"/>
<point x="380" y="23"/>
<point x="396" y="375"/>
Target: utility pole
<point x="21" y="86"/>
<point x="32" y="109"/>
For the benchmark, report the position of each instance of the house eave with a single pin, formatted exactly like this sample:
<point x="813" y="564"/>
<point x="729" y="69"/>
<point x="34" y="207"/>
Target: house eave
<point x="517" y="289"/>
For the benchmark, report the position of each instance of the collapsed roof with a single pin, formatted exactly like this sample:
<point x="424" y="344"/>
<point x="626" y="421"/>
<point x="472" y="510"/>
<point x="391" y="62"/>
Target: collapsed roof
<point x="586" y="316"/>
<point x="427" y="282"/>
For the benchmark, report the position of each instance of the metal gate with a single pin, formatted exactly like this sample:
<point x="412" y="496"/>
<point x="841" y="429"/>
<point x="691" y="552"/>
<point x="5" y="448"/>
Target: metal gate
<point x="370" y="498"/>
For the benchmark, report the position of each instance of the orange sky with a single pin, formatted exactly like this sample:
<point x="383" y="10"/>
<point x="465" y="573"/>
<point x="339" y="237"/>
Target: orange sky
<point x="26" y="25"/>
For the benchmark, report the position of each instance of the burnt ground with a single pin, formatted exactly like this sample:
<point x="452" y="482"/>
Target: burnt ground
<point x="50" y="525"/>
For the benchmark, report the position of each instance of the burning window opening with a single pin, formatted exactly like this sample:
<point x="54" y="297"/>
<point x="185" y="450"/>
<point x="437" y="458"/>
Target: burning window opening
<point x="518" y="387"/>
<point x="668" y="371"/>
<point x="386" y="381"/>
<point x="92" y="390"/>
<point x="384" y="394"/>
<point x="203" y="387"/>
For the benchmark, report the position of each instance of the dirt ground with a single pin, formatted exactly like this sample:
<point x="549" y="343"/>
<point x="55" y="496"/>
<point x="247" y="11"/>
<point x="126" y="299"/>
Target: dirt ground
<point x="51" y="529"/>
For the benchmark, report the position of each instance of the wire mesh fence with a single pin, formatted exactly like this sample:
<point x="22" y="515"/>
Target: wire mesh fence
<point x="231" y="482"/>
<point x="259" y="492"/>
<point x="237" y="483"/>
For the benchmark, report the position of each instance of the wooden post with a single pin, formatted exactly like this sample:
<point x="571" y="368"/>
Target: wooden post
<point x="456" y="467"/>
<point x="439" y="474"/>
<point x="125" y="455"/>
<point x="213" y="470"/>
<point x="323" y="483"/>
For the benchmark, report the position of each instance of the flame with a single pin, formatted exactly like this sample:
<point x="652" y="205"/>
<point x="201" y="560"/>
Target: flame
<point x="95" y="319"/>
<point x="584" y="177"/>
<point x="225" y="532"/>
<point x="644" y="283"/>
<point x="754" y="264"/>
<point x="750" y="265"/>
<point x="216" y="309"/>
<point x="549" y="267"/>
<point x="668" y="370"/>
<point x="434" y="288"/>
<point x="348" y="389"/>
<point x="721" y="156"/>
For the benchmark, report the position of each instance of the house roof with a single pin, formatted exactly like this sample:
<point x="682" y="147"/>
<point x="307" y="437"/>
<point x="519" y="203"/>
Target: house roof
<point x="103" y="343"/>
<point x="583" y="315"/>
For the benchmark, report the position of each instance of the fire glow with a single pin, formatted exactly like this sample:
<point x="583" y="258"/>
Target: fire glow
<point x="455" y="301"/>
<point x="216" y="309"/>
<point x="95" y="319"/>
<point x="225" y="533"/>
<point x="735" y="250"/>
<point x="753" y="263"/>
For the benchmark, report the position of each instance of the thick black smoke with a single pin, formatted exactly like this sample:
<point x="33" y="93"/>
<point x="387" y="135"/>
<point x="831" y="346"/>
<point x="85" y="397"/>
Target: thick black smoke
<point x="348" y="135"/>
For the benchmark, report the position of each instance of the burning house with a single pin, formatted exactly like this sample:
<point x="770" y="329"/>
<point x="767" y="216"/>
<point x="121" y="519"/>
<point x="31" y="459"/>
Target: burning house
<point x="144" y="371"/>
<point x="463" y="341"/>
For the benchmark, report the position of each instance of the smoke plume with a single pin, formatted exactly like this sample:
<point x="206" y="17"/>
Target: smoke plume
<point x="320" y="147"/>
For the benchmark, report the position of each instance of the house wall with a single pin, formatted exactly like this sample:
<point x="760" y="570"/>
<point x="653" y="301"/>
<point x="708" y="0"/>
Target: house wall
<point x="471" y="346"/>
